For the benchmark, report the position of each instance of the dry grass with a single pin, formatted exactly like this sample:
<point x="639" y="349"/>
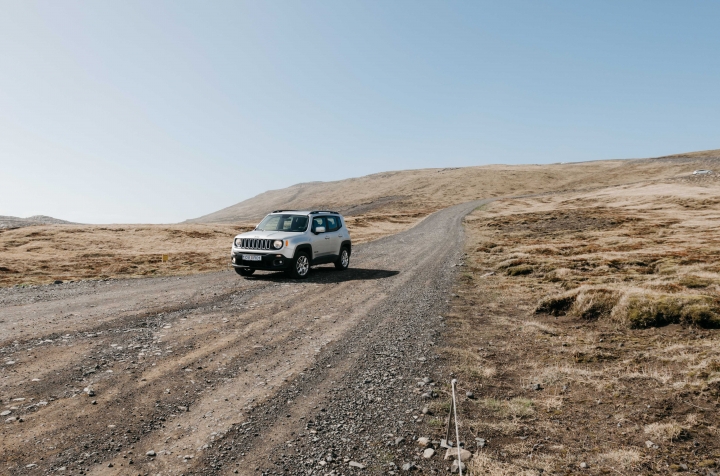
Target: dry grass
<point x="42" y="254"/>
<point x="635" y="307"/>
<point x="515" y="408"/>
<point x="45" y="253"/>
<point x="620" y="459"/>
<point x="483" y="464"/>
<point x="410" y="190"/>
<point x="647" y="308"/>
<point x="617" y="322"/>
<point x="624" y="253"/>
<point x="668" y="431"/>
<point x="375" y="206"/>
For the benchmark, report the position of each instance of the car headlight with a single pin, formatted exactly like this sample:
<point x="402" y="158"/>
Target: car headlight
<point x="277" y="244"/>
<point x="238" y="241"/>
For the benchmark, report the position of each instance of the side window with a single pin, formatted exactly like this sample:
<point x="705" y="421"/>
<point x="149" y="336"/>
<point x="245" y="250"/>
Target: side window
<point x="333" y="223"/>
<point x="318" y="221"/>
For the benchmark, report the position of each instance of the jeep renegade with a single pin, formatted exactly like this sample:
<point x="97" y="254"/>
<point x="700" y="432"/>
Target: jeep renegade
<point x="293" y="241"/>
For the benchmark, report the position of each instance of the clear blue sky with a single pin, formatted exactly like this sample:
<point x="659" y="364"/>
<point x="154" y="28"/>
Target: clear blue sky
<point x="150" y="111"/>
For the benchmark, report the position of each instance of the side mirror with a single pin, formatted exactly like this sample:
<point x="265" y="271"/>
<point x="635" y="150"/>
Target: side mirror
<point x="320" y="229"/>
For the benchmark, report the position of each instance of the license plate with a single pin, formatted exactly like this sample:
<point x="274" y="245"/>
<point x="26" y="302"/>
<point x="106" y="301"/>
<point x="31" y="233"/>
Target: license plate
<point x="252" y="257"/>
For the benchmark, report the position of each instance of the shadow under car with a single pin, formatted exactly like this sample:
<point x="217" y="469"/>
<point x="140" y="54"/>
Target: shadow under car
<point x="328" y="275"/>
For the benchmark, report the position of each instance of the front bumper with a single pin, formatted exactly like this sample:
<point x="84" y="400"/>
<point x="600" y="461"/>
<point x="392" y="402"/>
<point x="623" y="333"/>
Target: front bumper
<point x="268" y="261"/>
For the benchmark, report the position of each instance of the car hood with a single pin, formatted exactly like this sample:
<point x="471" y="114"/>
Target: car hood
<point x="267" y="235"/>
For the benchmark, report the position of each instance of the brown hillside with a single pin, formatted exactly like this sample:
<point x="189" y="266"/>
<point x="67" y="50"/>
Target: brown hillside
<point x="377" y="205"/>
<point x="410" y="190"/>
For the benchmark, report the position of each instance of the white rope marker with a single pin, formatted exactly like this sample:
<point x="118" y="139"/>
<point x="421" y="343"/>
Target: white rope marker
<point x="457" y="432"/>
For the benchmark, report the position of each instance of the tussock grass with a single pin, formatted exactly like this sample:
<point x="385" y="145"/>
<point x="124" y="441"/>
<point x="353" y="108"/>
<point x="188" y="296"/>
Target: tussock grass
<point x="557" y="305"/>
<point x="694" y="282"/>
<point x="668" y="431"/>
<point x="620" y="459"/>
<point x="553" y="403"/>
<point x="638" y="308"/>
<point x="558" y="275"/>
<point x="519" y="270"/>
<point x="648" y="309"/>
<point x="587" y="302"/>
<point x="594" y="303"/>
<point x="508" y="263"/>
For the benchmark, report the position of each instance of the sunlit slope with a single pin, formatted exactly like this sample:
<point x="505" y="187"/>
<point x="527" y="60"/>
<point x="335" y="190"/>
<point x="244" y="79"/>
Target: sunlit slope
<point x="437" y="188"/>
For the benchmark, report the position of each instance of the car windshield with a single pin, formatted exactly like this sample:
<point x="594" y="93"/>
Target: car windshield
<point x="291" y="223"/>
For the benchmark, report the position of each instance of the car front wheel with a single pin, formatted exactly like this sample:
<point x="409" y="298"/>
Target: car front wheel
<point x="300" y="267"/>
<point x="343" y="260"/>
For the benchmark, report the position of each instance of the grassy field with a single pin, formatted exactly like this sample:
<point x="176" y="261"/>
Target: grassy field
<point x="375" y="206"/>
<point x="45" y="253"/>
<point x="585" y="324"/>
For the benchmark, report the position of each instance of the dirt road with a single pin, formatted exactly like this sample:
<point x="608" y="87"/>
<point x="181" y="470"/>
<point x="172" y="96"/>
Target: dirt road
<point x="215" y="374"/>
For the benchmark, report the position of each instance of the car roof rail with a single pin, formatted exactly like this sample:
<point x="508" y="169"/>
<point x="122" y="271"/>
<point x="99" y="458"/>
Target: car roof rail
<point x="278" y="211"/>
<point x="324" y="211"/>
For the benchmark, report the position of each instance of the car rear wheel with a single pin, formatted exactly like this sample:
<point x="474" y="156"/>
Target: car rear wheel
<point x="244" y="271"/>
<point x="300" y="266"/>
<point x="343" y="260"/>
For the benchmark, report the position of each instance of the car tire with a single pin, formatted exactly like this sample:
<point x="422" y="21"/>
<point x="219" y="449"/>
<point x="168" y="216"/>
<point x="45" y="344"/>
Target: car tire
<point x="244" y="271"/>
<point x="300" y="267"/>
<point x="343" y="261"/>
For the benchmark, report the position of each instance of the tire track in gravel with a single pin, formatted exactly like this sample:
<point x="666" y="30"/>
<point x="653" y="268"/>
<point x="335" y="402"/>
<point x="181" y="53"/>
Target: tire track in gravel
<point x="391" y="344"/>
<point x="198" y="361"/>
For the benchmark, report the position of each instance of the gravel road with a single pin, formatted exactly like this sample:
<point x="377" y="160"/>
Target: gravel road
<point x="216" y="374"/>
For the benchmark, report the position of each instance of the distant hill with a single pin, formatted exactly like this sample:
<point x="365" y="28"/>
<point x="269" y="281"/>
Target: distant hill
<point x="437" y="188"/>
<point x="15" y="222"/>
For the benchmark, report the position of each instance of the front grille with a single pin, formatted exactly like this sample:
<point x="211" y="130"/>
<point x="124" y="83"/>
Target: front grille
<point x="255" y="244"/>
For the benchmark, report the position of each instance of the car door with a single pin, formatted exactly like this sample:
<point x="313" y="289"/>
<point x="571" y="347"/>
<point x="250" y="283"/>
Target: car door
<point x="320" y="246"/>
<point x="334" y="235"/>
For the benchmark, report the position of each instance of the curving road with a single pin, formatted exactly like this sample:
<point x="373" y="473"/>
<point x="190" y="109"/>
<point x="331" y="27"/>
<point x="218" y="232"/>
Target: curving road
<point x="215" y="374"/>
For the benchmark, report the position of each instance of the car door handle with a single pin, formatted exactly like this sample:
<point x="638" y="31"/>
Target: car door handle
<point x="327" y="237"/>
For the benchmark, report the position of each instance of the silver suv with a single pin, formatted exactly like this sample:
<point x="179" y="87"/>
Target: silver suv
<point x="292" y="241"/>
